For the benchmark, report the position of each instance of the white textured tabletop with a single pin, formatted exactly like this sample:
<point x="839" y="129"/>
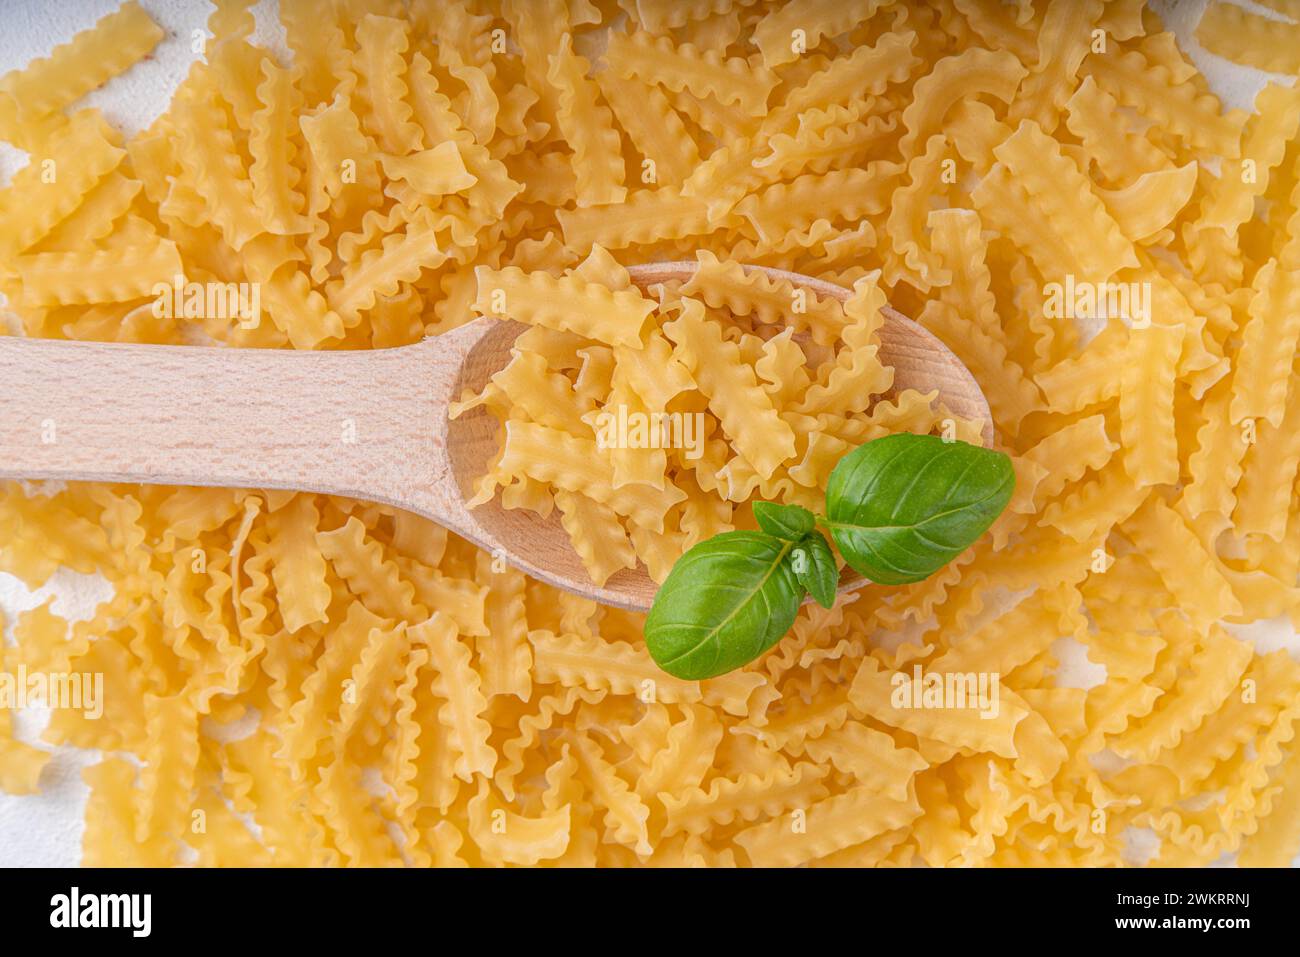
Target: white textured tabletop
<point x="45" y="830"/>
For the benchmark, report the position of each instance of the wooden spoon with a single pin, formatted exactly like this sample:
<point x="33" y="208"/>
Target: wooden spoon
<point x="368" y="424"/>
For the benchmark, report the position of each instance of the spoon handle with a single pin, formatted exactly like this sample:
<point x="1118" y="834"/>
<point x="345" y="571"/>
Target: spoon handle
<point x="347" y="423"/>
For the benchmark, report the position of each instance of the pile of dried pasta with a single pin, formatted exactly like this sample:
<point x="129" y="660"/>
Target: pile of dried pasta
<point x="292" y="679"/>
<point x="649" y="424"/>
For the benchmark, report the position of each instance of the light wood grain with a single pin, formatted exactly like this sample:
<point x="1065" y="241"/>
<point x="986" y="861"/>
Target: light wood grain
<point x="369" y="424"/>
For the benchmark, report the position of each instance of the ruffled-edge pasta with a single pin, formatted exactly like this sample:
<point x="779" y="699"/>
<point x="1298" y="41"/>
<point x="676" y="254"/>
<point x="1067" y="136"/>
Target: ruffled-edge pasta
<point x="408" y="693"/>
<point x="1236" y="34"/>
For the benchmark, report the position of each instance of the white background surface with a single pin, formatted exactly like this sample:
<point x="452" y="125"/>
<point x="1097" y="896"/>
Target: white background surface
<point x="45" y="829"/>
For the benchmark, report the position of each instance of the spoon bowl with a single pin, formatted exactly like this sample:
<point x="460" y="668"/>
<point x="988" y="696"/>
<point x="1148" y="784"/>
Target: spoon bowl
<point x="920" y="361"/>
<point x="369" y="424"/>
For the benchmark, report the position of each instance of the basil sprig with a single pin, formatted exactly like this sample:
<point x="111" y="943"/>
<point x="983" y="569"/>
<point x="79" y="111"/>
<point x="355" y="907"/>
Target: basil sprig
<point x="898" y="508"/>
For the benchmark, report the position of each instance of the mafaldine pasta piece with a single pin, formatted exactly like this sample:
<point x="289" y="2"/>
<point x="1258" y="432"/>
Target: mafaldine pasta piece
<point x="86" y="62"/>
<point x="1236" y="34"/>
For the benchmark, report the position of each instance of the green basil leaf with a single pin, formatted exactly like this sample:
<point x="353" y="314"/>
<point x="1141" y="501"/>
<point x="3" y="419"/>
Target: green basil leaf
<point x="901" y="507"/>
<point x="814" y="566"/>
<point x="725" y="602"/>
<point x="789" y="522"/>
